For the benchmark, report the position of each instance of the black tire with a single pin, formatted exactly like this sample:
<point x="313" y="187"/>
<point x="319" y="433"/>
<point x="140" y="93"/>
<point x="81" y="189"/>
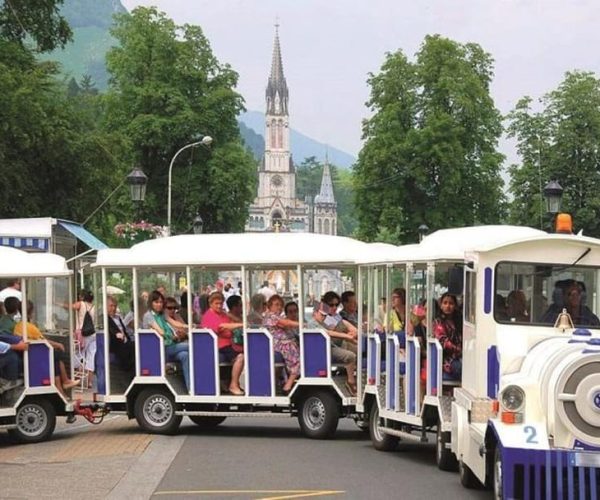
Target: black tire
<point x="154" y="411"/>
<point x="496" y="476"/>
<point x="445" y="459"/>
<point x="318" y="415"/>
<point x="381" y="441"/>
<point x="205" y="422"/>
<point x="466" y="476"/>
<point x="36" y="420"/>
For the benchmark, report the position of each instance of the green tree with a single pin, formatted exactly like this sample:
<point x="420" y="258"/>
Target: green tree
<point x="560" y="142"/>
<point x="167" y="87"/>
<point x="430" y="147"/>
<point x="39" y="21"/>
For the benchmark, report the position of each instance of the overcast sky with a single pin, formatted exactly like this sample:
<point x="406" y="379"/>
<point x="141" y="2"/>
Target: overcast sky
<point x="330" y="46"/>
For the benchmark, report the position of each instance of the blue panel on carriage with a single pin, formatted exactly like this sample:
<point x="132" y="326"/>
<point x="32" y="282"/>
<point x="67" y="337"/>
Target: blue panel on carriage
<point x="279" y="357"/>
<point x="100" y="363"/>
<point x="149" y="349"/>
<point x="487" y="290"/>
<point x="433" y="369"/>
<point x="259" y="364"/>
<point x="371" y="376"/>
<point x="392" y="380"/>
<point x="204" y="345"/>
<point x="493" y="366"/>
<point x="412" y="397"/>
<point x="315" y="355"/>
<point x="39" y="365"/>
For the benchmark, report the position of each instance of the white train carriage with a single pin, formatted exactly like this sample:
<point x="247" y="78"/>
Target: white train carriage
<point x="524" y="418"/>
<point x="30" y="404"/>
<point x="300" y="264"/>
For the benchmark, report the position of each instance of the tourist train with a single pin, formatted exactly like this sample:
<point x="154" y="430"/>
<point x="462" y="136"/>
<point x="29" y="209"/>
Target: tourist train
<point x="512" y="402"/>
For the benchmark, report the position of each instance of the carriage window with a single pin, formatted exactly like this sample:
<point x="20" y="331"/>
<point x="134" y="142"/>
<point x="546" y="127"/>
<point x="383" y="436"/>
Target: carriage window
<point x="538" y="293"/>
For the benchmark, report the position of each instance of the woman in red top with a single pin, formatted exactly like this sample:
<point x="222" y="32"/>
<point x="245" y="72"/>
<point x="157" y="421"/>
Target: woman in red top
<point x="219" y="322"/>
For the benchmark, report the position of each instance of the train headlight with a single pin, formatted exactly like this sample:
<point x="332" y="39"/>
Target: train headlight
<point x="512" y="398"/>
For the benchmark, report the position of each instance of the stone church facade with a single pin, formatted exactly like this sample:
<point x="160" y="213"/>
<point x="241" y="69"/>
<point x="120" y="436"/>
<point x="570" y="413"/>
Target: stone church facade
<point x="276" y="207"/>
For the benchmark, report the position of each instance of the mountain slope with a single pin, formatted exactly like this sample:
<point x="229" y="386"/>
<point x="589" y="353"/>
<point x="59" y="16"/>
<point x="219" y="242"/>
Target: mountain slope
<point x="90" y="21"/>
<point x="302" y="145"/>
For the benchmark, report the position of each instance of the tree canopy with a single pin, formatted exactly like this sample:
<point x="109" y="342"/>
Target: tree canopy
<point x="430" y="147"/>
<point x="559" y="142"/>
<point x="167" y="89"/>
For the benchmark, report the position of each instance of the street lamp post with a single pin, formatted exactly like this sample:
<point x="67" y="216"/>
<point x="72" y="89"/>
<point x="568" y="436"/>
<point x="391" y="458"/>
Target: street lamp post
<point x="423" y="229"/>
<point x="198" y="225"/>
<point x="553" y="192"/>
<point x="205" y="141"/>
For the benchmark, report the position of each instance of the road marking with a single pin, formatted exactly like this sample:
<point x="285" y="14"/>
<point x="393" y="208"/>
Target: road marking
<point x="287" y="494"/>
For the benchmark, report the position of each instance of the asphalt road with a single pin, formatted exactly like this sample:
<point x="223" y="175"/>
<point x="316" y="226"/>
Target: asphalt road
<point x="269" y="459"/>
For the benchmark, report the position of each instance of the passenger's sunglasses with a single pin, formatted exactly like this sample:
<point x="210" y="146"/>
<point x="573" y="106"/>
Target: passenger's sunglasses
<point x="334" y="304"/>
<point x="172" y="308"/>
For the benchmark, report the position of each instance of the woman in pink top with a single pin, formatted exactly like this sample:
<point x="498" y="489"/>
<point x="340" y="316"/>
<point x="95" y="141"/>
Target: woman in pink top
<point x="219" y="322"/>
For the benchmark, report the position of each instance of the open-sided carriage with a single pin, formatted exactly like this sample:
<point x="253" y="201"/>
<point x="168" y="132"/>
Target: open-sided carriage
<point x="30" y="404"/>
<point x="302" y="266"/>
<point x="524" y="418"/>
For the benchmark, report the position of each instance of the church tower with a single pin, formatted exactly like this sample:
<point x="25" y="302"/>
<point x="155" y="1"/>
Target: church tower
<point x="276" y="206"/>
<point x="325" y="205"/>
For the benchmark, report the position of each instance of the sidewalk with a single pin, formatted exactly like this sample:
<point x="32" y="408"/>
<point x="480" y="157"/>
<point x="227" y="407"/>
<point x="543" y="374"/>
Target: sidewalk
<point x="81" y="460"/>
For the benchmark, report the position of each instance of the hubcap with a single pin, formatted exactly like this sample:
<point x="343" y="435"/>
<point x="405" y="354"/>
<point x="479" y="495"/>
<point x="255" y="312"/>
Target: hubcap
<point x="314" y="413"/>
<point x="438" y="448"/>
<point x="158" y="410"/>
<point x="377" y="434"/>
<point x="32" y="420"/>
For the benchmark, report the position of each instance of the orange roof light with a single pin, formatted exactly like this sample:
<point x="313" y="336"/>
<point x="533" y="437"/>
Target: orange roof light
<point x="564" y="224"/>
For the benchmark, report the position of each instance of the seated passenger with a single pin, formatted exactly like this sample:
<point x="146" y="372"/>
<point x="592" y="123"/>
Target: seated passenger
<point x="172" y="310"/>
<point x="447" y="329"/>
<point x="284" y="340"/>
<point x="119" y="342"/>
<point x="166" y="327"/>
<point x="61" y="378"/>
<point x="291" y="312"/>
<point x="236" y="310"/>
<point x="349" y="307"/>
<point x="516" y="307"/>
<point x="339" y="330"/>
<point x="570" y="294"/>
<point x="11" y="363"/>
<point x="258" y="305"/>
<point x="11" y="311"/>
<point x="217" y="320"/>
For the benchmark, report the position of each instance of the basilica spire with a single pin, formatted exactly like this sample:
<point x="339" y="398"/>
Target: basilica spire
<point x="277" y="91"/>
<point x="326" y="195"/>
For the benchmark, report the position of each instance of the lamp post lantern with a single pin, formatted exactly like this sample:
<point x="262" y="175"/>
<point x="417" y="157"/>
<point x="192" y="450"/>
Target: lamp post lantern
<point x="205" y="141"/>
<point x="198" y="224"/>
<point x="137" y="181"/>
<point x="423" y="229"/>
<point x="553" y="195"/>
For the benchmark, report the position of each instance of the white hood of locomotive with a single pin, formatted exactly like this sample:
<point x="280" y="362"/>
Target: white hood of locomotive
<point x="561" y="378"/>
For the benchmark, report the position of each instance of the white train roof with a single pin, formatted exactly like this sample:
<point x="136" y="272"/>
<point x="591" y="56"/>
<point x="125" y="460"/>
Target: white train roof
<point x="455" y="244"/>
<point x="16" y="263"/>
<point x="279" y="249"/>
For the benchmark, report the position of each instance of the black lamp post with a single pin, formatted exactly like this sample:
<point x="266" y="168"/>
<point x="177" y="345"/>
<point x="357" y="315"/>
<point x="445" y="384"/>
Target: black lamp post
<point x="137" y="181"/>
<point x="198" y="225"/>
<point x="553" y="193"/>
<point x="423" y="229"/>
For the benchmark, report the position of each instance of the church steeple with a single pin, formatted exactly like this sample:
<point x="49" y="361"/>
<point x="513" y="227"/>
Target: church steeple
<point x="277" y="91"/>
<point x="326" y="195"/>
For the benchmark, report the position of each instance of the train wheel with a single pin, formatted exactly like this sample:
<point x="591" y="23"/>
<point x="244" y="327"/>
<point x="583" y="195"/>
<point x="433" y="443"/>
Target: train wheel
<point x="445" y="459"/>
<point x="205" y="422"/>
<point x="497" y="476"/>
<point x="154" y="411"/>
<point x="467" y="478"/>
<point x="319" y="415"/>
<point x="35" y="421"/>
<point x="380" y="440"/>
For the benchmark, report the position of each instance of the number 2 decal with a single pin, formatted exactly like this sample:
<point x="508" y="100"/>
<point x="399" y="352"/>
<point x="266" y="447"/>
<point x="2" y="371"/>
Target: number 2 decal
<point x="531" y="434"/>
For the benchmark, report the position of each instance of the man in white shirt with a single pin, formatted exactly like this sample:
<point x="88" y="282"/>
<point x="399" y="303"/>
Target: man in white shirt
<point x="266" y="291"/>
<point x="12" y="290"/>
